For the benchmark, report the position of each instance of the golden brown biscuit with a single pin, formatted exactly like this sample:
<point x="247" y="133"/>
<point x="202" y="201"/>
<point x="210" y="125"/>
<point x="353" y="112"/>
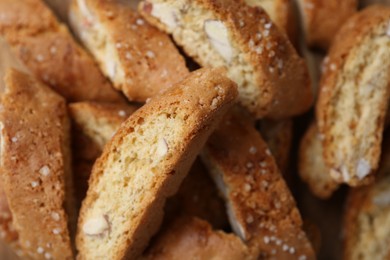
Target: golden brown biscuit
<point x="198" y="197"/>
<point x="47" y="48"/>
<point x="367" y="216"/>
<point x="145" y="163"/>
<point x="322" y="19"/>
<point x="140" y="60"/>
<point x="272" y="79"/>
<point x="354" y="96"/>
<point x="260" y="206"/>
<point x="193" y="238"/>
<point x="35" y="166"/>
<point x="312" y="168"/>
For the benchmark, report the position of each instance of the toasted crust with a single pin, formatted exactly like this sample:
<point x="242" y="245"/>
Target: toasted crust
<point x="35" y="172"/>
<point x="322" y="19"/>
<point x="159" y="142"/>
<point x="47" y="48"/>
<point x="99" y="121"/>
<point x="365" y="3"/>
<point x="354" y="96"/>
<point x="272" y="78"/>
<point x="281" y="13"/>
<point x="278" y="136"/>
<point x="312" y="168"/>
<point x="367" y="217"/>
<point x="193" y="238"/>
<point x="198" y="197"/>
<point x="261" y="209"/>
<point x="140" y="60"/>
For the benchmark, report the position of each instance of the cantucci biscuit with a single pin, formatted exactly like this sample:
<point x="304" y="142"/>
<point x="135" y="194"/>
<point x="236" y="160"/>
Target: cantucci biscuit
<point x="354" y="96"/>
<point x="322" y="19"/>
<point x="260" y="206"/>
<point x="47" y="48"/>
<point x="311" y="165"/>
<point x="193" y="238"/>
<point x="272" y="79"/>
<point x="145" y="163"/>
<point x="367" y="217"/>
<point x="140" y="60"/>
<point x="35" y="166"/>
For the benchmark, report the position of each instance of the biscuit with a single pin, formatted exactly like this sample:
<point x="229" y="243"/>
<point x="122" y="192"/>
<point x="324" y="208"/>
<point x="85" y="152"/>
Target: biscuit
<point x="281" y="13"/>
<point x="145" y="162"/>
<point x="35" y="166"/>
<point x="322" y="19"/>
<point x="367" y="216"/>
<point x="278" y="136"/>
<point x="272" y="79"/>
<point x="140" y="60"/>
<point x="47" y="48"/>
<point x="193" y="238"/>
<point x="198" y="197"/>
<point x="354" y="96"/>
<point x="260" y="206"/>
<point x="311" y="166"/>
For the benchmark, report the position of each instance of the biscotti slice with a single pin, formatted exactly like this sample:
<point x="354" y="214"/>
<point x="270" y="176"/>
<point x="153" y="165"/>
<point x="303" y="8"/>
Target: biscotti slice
<point x="322" y="19"/>
<point x="281" y="13"/>
<point x="199" y="197"/>
<point x="100" y="121"/>
<point x="272" y="79"/>
<point x="354" y="96"/>
<point x="367" y="217"/>
<point x="278" y="136"/>
<point x="260" y="206"/>
<point x="35" y="166"/>
<point x="140" y="60"/>
<point x="47" y="48"/>
<point x="194" y="238"/>
<point x="312" y="168"/>
<point x="145" y="163"/>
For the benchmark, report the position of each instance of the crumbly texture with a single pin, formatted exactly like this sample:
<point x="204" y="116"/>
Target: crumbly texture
<point x="100" y="121"/>
<point x="272" y="79"/>
<point x="35" y="160"/>
<point x="199" y="197"/>
<point x="193" y="238"/>
<point x="94" y="124"/>
<point x="145" y="163"/>
<point x="278" y="136"/>
<point x="312" y="168"/>
<point x="281" y="13"/>
<point x="354" y="96"/>
<point x="140" y="60"/>
<point x="322" y="19"/>
<point x="260" y="206"/>
<point x="367" y="217"/>
<point x="47" y="48"/>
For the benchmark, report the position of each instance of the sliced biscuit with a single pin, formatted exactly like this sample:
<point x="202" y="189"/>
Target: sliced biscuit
<point x="47" y="48"/>
<point x="35" y="166"/>
<point x="312" y="168"/>
<point x="260" y="206"/>
<point x="145" y="163"/>
<point x="272" y="79"/>
<point x="354" y="96"/>
<point x="140" y="60"/>
<point x="193" y="238"/>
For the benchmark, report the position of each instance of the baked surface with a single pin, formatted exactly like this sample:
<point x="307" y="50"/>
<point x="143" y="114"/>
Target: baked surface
<point x="145" y="163"/>
<point x="36" y="175"/>
<point x="47" y="48"/>
<point x="272" y="79"/>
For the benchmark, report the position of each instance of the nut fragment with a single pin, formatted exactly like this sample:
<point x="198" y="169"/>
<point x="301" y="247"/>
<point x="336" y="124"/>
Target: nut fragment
<point x="167" y="14"/>
<point x="217" y="33"/>
<point x="162" y="147"/>
<point x="96" y="226"/>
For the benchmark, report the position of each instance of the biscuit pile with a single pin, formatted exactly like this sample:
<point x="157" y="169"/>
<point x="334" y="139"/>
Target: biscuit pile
<point x="194" y="129"/>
